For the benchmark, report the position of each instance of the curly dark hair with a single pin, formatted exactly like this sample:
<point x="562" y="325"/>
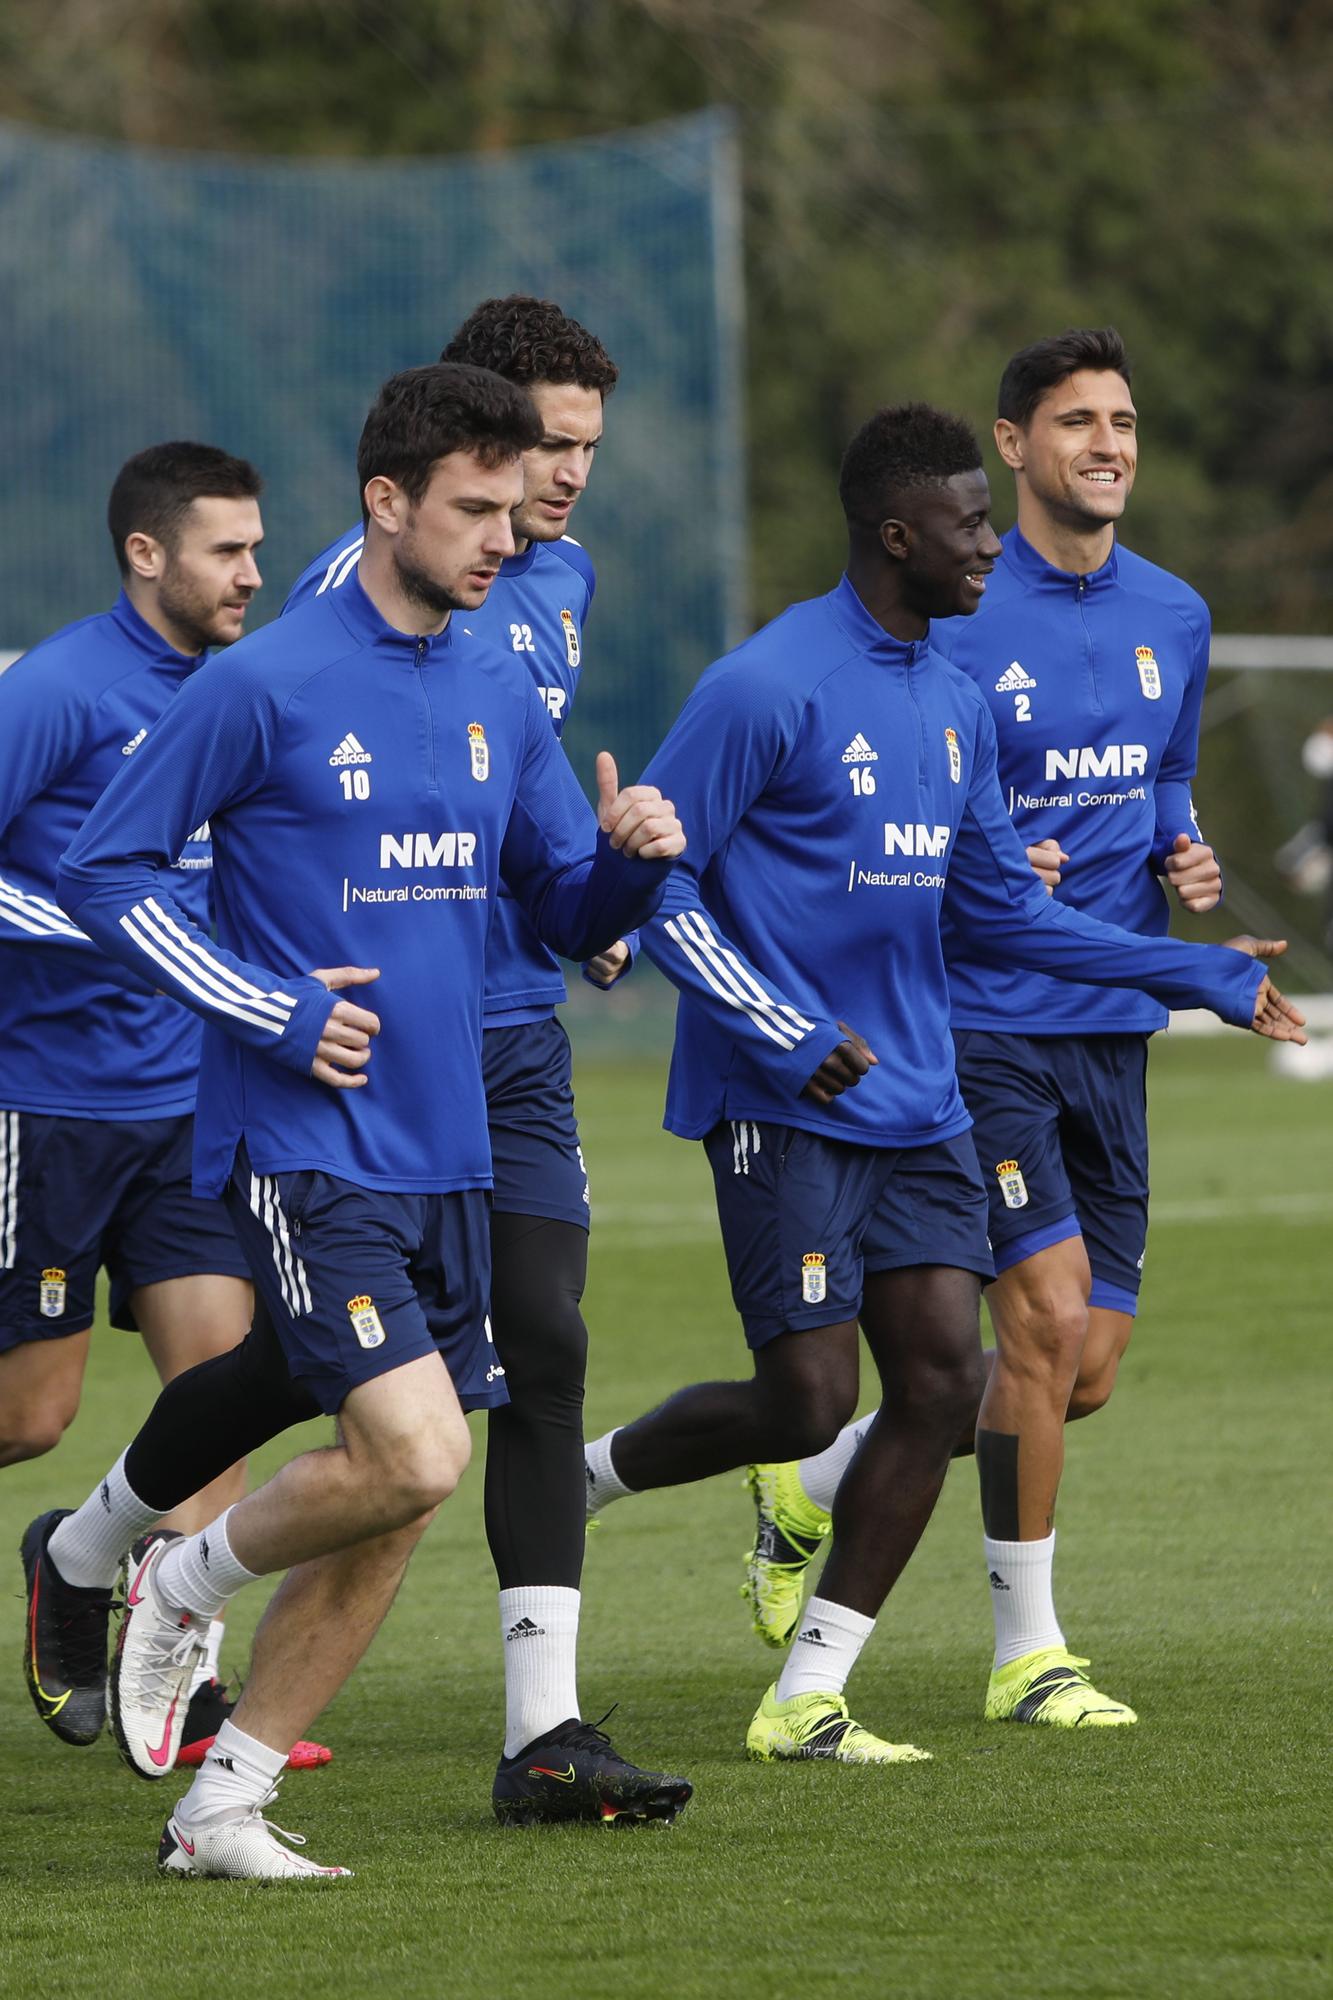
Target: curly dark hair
<point x="531" y="340"/>
<point x="910" y="445"/>
<point x="155" y="489"/>
<point x="1046" y="363"/>
<point x="425" y="413"/>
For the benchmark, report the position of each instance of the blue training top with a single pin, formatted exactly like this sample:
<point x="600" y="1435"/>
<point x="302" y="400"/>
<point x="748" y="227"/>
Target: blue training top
<point x="79" y="1036"/>
<point x="366" y="791"/>
<point x="1094" y="684"/>
<point x="535" y="610"/>
<point x="838" y="790"/>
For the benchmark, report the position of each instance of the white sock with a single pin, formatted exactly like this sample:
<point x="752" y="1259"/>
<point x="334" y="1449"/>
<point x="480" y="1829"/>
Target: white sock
<point x="604" y="1482"/>
<point x="87" y="1546"/>
<point x="1020" y="1589"/>
<point x="206" y="1666"/>
<point x="200" y="1574"/>
<point x="820" y="1476"/>
<point x="239" y="1770"/>
<point x="825" y="1649"/>
<point x="539" y="1629"/>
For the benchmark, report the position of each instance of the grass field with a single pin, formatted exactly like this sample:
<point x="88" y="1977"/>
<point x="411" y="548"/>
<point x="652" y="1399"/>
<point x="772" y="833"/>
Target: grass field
<point x="1180" y="1858"/>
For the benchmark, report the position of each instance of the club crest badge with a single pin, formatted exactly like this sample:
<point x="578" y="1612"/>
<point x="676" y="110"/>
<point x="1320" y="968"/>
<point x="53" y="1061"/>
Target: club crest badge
<point x="571" y="637"/>
<point x="1012" y="1185"/>
<point x="814" y="1278"/>
<point x="366" y="1322"/>
<point x="1150" y="679"/>
<point x="51" y="1300"/>
<point x="480" y="752"/>
<point x="955" y="755"/>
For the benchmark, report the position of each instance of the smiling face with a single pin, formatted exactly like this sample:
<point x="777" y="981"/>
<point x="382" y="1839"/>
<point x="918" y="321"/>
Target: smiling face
<point x="1075" y="458"/>
<point x="556" y="471"/>
<point x="947" y="545"/>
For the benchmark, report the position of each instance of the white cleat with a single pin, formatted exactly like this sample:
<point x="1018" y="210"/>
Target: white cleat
<point x="148" y="1691"/>
<point x="240" y="1846"/>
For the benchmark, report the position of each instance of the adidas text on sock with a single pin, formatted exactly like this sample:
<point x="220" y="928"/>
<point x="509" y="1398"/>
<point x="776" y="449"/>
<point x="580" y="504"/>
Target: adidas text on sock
<point x="827" y="1646"/>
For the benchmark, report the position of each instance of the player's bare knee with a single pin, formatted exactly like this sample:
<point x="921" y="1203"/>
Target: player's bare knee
<point x="31" y="1431"/>
<point x="1042" y="1334"/>
<point x="1092" y="1390"/>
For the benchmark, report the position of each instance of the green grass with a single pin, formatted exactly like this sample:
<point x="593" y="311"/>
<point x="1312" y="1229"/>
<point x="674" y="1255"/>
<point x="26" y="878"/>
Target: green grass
<point x="1176" y="1859"/>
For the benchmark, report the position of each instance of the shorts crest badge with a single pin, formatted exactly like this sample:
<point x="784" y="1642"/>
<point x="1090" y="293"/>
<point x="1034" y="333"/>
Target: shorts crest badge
<point x="51" y="1300"/>
<point x="571" y="631"/>
<point x="480" y="752"/>
<point x="1150" y="679"/>
<point x="366" y="1322"/>
<point x="955" y="755"/>
<point x="814" y="1278"/>
<point x="1012" y="1185"/>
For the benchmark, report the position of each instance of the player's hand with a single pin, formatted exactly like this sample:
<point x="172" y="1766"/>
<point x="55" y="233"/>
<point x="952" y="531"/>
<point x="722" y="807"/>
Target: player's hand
<point x="842" y="1069"/>
<point x="1046" y="858"/>
<point x="638" y="821"/>
<point x="1274" y="1015"/>
<point x="1195" y="874"/>
<point x="344" y="1046"/>
<point x="606" y="968"/>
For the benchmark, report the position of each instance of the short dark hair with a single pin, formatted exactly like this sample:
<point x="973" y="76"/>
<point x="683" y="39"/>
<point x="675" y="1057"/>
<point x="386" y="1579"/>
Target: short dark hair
<point x="154" y="490"/>
<point x="910" y="445"/>
<point x="530" y="340"/>
<point x="425" y="413"/>
<point x="1046" y="363"/>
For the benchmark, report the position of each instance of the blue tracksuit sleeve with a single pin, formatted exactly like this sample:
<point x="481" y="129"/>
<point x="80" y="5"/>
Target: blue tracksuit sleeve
<point x="719" y="755"/>
<point x="1172" y="797"/>
<point x="209" y="748"/>
<point x="1006" y="916"/>
<point x="580" y="893"/>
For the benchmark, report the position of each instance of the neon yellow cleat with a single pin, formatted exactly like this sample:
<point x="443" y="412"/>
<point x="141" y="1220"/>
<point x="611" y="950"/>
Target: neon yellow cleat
<point x="1051" y="1687"/>
<point x="788" y="1533"/>
<point x="818" y="1725"/>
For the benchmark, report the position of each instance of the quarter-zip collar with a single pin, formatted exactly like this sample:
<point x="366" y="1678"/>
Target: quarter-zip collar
<point x="867" y="632"/>
<point x="1036" y="573"/>
<point x="146" y="639"/>
<point x="365" y="623"/>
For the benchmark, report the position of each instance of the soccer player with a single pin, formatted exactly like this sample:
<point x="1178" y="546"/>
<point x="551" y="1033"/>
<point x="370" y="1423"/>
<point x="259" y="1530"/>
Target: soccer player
<point x="837" y="778"/>
<point x="1092" y="663"/>
<point x="359" y="1193"/>
<point x="535" y="612"/>
<point x="98" y="1068"/>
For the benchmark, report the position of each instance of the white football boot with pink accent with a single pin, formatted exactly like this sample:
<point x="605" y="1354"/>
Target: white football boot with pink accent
<point x="148" y="1693"/>
<point x="240" y="1845"/>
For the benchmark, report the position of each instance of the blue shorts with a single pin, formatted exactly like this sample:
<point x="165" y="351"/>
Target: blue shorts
<point x="805" y="1218"/>
<point x="1060" y="1124"/>
<point x="76" y="1194"/>
<point x="358" y="1282"/>
<point x="535" y="1151"/>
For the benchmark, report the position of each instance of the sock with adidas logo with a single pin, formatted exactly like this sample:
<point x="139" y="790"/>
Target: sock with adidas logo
<point x="825" y="1649"/>
<point x="821" y="1475"/>
<point x="239" y="1771"/>
<point x="539" y="1630"/>
<point x="1021" y="1597"/>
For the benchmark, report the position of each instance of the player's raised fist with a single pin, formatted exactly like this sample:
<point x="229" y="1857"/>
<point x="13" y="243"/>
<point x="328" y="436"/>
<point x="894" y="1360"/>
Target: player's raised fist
<point x="637" y="820"/>
<point x="1194" y="873"/>
<point x="1275" y="1016"/>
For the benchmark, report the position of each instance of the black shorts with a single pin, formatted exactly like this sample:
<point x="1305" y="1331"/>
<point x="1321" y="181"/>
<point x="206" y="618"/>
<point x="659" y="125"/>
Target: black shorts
<point x="805" y="1218"/>
<point x="77" y="1194"/>
<point x="1060" y="1124"/>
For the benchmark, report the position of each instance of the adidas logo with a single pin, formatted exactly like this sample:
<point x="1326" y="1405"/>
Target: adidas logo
<point x="525" y="1629"/>
<point x="349" y="751"/>
<point x="128" y="749"/>
<point x="224" y="1764"/>
<point x="105" y="1492"/>
<point x="858" y="751"/>
<point x="812" y="1637"/>
<point x="997" y="1582"/>
<point x="1013" y="678"/>
<point x="203" y="1550"/>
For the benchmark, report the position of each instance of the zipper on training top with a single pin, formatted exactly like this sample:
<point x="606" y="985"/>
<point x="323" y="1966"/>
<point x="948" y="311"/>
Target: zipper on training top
<point x="431" y="779"/>
<point x="1093" y="688"/>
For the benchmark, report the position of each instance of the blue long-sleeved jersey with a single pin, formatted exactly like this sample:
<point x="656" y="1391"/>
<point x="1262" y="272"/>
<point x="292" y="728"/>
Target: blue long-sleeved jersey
<point x="366" y="790"/>
<point x="838" y="790"/>
<point x="77" y="1035"/>
<point x="1094" y="685"/>
<point x="535" y="610"/>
